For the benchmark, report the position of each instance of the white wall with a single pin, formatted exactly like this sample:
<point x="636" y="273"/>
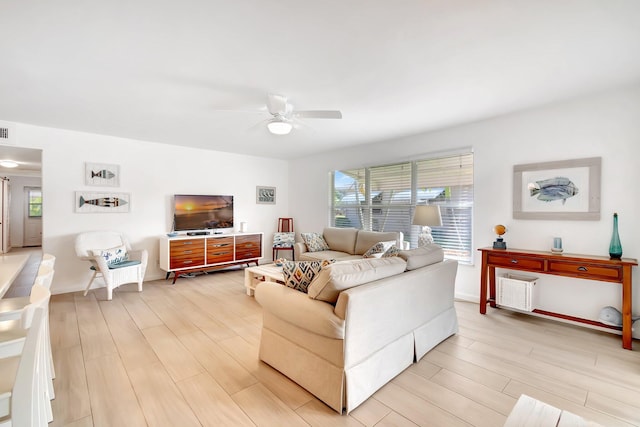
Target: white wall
<point x="151" y="173"/>
<point x="605" y="125"/>
<point x="18" y="206"/>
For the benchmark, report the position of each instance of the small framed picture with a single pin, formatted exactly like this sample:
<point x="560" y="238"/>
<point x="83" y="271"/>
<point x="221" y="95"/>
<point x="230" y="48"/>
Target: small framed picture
<point x="98" y="202"/>
<point x="266" y="195"/>
<point x="102" y="174"/>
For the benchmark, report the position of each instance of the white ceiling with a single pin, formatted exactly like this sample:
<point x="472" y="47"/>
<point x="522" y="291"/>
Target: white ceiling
<point x="166" y="71"/>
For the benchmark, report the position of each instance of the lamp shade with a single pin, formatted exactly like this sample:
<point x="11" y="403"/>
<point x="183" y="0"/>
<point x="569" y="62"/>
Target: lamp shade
<point x="279" y="127"/>
<point x="427" y="215"/>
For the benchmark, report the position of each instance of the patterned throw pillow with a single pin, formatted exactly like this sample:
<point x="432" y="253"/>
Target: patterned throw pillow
<point x="299" y="274"/>
<point x="378" y="250"/>
<point x="314" y="241"/>
<point x="113" y="256"/>
<point x="392" y="251"/>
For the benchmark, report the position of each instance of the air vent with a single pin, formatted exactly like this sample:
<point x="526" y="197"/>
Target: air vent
<point x="7" y="133"/>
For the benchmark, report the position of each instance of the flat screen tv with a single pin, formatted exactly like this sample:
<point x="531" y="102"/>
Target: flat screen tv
<point x="202" y="212"/>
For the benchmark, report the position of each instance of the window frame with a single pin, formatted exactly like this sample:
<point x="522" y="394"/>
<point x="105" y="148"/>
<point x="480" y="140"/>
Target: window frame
<point x="455" y="200"/>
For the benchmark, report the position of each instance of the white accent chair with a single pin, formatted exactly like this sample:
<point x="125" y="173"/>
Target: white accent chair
<point x="24" y="392"/>
<point x="95" y="247"/>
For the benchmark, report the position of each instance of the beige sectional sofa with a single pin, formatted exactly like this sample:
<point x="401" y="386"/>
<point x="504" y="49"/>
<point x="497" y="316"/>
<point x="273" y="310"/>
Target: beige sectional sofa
<point x="387" y="314"/>
<point x="346" y="243"/>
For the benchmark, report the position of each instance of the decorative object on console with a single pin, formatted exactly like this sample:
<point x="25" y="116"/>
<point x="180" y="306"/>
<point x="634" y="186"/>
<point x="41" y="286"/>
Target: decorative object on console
<point x="101" y="174"/>
<point x="427" y="216"/>
<point x="90" y="202"/>
<point x="266" y="195"/>
<point x="615" y="247"/>
<point x="500" y="243"/>
<point x="566" y="190"/>
<point x="557" y="245"/>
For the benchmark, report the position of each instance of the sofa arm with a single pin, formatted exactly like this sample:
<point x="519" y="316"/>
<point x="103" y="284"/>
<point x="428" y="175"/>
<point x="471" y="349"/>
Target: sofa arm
<point x="298" y="249"/>
<point x="298" y="309"/>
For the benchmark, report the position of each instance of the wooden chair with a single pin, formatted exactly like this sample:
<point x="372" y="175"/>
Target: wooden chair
<point x="284" y="239"/>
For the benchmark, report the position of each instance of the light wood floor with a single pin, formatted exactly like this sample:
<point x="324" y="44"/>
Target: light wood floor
<point x="187" y="355"/>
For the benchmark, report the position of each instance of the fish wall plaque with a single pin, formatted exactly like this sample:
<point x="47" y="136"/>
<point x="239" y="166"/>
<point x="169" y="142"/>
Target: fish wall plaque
<point x="102" y="174"/>
<point x="96" y="202"/>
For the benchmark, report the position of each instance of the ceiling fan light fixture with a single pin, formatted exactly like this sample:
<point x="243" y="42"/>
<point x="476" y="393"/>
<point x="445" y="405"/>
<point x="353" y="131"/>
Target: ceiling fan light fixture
<point x="279" y="127"/>
<point x="8" y="164"/>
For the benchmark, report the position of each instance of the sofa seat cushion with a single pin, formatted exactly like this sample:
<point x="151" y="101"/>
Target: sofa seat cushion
<point x="422" y="256"/>
<point x="335" y="278"/>
<point x="297" y="309"/>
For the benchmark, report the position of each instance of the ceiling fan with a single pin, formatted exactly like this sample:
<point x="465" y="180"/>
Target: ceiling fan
<point x="284" y="114"/>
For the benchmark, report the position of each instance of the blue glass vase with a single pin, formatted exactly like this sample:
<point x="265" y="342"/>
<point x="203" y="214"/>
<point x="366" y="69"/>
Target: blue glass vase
<point x="615" y="247"/>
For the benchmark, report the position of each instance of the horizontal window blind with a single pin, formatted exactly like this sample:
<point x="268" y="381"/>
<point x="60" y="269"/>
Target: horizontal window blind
<point x="383" y="198"/>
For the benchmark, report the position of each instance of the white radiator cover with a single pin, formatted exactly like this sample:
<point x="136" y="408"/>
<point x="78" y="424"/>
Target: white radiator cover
<point x="516" y="291"/>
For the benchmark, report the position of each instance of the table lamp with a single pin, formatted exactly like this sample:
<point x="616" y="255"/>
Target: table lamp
<point x="427" y="216"/>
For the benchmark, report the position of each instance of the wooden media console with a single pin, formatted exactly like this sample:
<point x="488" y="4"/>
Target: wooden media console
<point x="186" y="254"/>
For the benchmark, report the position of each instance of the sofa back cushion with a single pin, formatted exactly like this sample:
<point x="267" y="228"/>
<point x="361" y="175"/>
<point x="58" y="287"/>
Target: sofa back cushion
<point x="341" y="239"/>
<point x="367" y="239"/>
<point x="335" y="278"/>
<point x="422" y="256"/>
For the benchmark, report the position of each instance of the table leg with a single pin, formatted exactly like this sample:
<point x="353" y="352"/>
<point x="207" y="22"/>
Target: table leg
<point x="248" y="281"/>
<point x="483" y="284"/>
<point x="492" y="286"/>
<point x="627" y="341"/>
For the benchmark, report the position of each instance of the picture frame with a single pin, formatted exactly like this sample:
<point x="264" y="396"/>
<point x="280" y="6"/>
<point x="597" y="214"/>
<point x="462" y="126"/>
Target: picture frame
<point x="102" y="174"/>
<point x="102" y="202"/>
<point x="266" y="195"/>
<point x="558" y="190"/>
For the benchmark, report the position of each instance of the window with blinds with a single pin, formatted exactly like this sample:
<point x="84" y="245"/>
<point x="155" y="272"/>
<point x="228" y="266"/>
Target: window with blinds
<point x="383" y="198"/>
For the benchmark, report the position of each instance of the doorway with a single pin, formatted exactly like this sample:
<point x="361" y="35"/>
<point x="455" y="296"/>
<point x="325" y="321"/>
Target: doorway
<point x="32" y="217"/>
<point x="22" y="230"/>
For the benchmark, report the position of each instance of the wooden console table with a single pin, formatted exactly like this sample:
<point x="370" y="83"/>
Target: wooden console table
<point x="570" y="265"/>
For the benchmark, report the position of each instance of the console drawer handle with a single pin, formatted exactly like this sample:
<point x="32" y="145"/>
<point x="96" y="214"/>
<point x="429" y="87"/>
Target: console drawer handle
<point x="188" y="243"/>
<point x="514" y="261"/>
<point x="582" y="269"/>
<point x="188" y="252"/>
<point x="187" y="261"/>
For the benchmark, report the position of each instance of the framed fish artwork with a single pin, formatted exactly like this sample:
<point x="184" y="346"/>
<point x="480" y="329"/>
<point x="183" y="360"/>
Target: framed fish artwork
<point x="559" y="190"/>
<point x="98" y="202"/>
<point x="101" y="174"/>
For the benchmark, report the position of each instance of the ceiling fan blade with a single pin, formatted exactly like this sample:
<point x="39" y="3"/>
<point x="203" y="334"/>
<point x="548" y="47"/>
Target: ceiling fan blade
<point x="277" y="104"/>
<point x="318" y="114"/>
